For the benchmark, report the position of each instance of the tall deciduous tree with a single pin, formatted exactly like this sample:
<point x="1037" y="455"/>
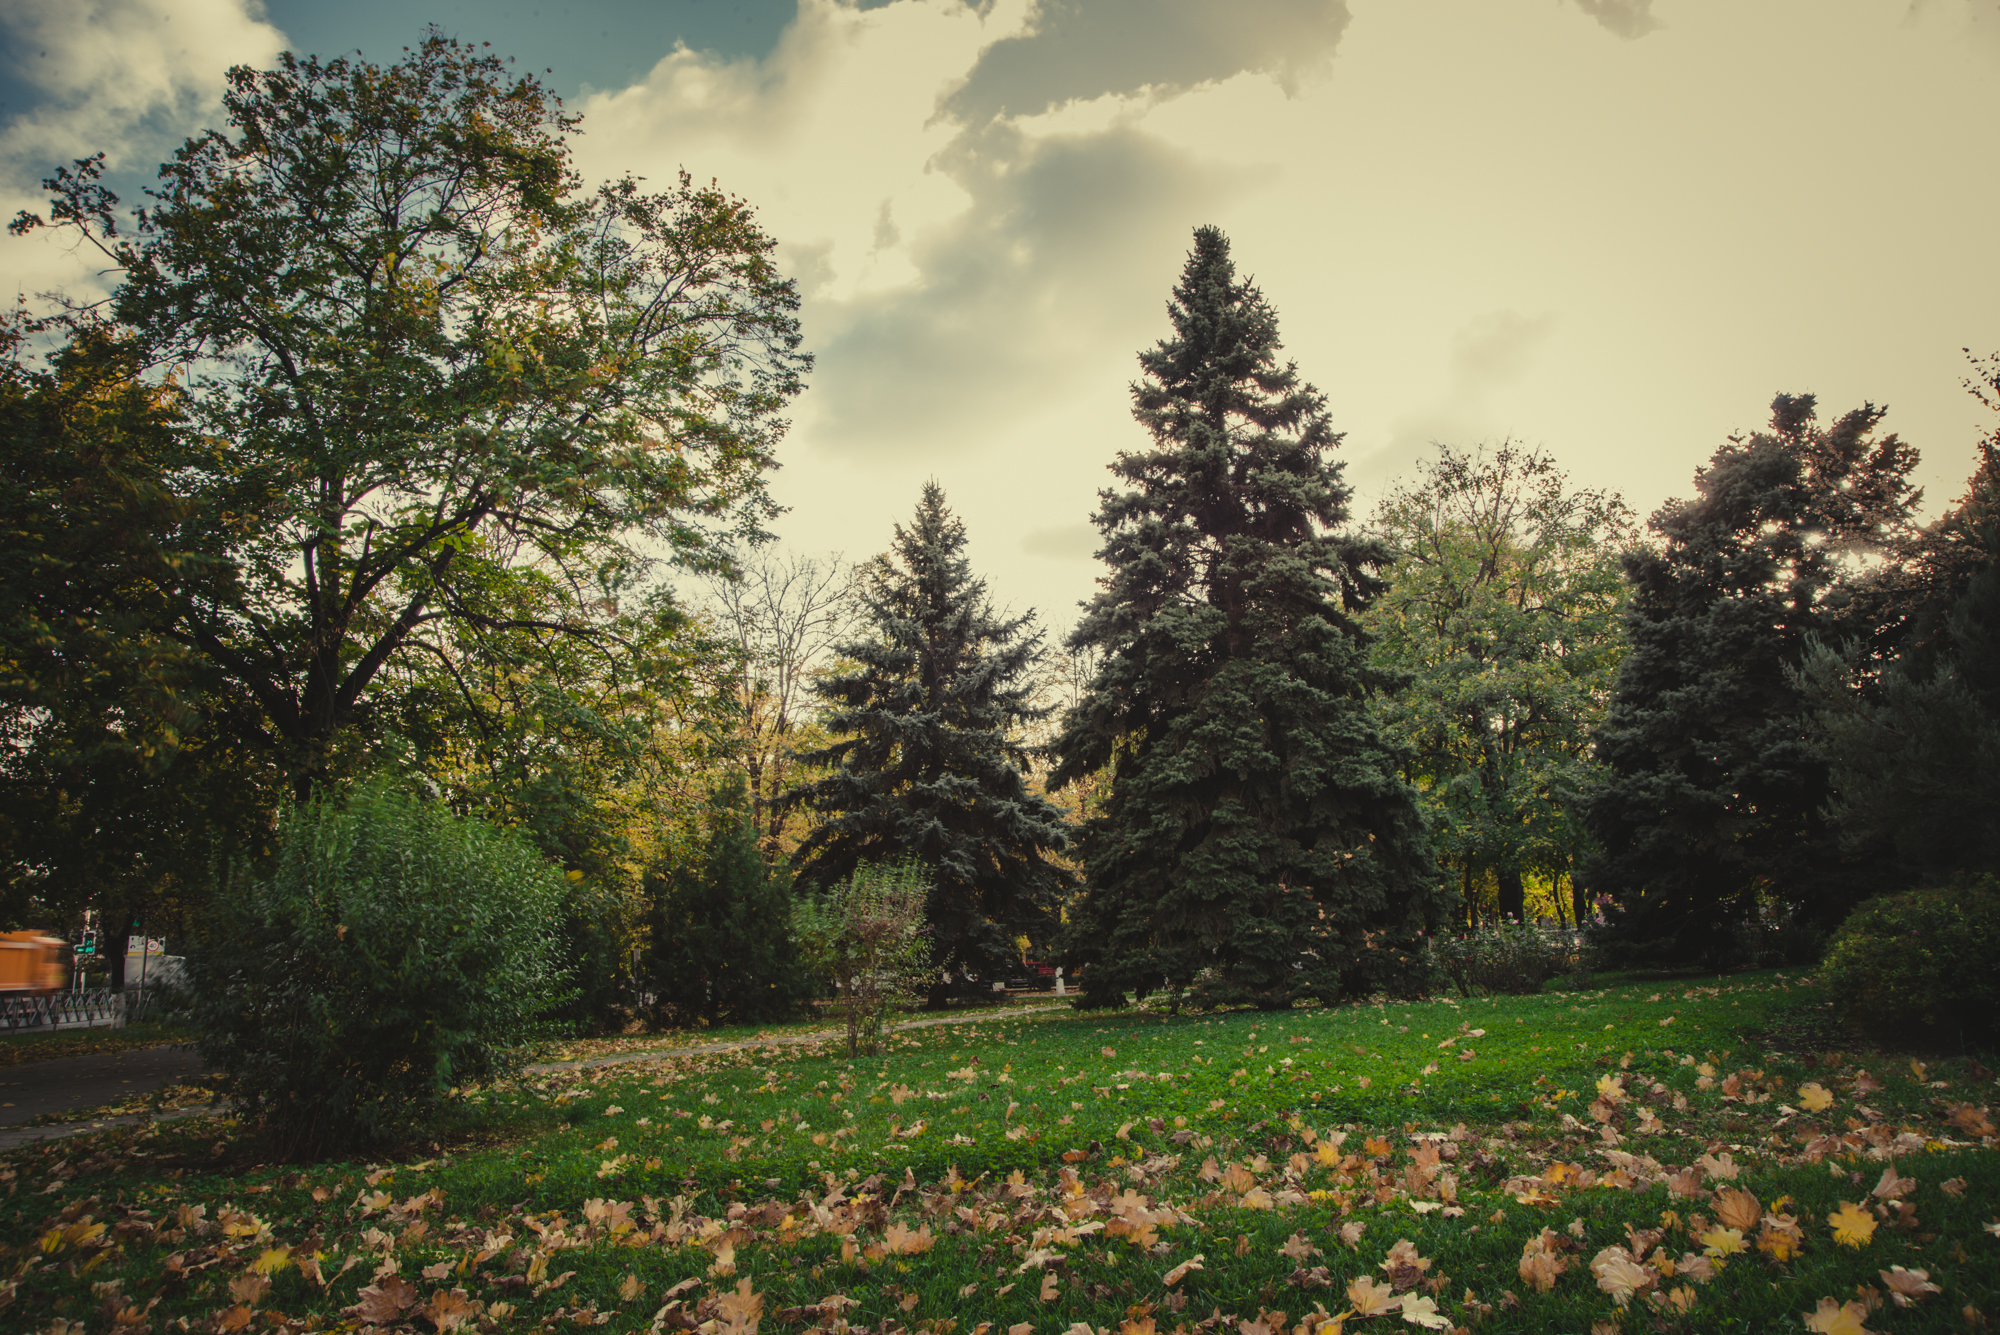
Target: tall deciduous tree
<point x="1504" y="611"/>
<point x="427" y="370"/>
<point x="782" y="616"/>
<point x="1716" y="796"/>
<point x="1257" y="836"/>
<point x="928" y="767"/>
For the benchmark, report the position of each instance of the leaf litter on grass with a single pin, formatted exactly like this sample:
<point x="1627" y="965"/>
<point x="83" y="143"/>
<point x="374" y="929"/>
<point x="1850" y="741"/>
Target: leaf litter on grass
<point x="1201" y="1175"/>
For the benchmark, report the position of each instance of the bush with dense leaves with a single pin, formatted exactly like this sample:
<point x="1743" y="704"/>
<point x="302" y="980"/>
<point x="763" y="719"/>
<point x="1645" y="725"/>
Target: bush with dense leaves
<point x="394" y="955"/>
<point x="1508" y="957"/>
<point x="721" y="926"/>
<point x="1922" y="966"/>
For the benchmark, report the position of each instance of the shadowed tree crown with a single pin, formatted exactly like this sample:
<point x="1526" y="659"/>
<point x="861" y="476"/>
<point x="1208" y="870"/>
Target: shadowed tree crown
<point x="1716" y="795"/>
<point x="1256" y="834"/>
<point x="927" y="767"/>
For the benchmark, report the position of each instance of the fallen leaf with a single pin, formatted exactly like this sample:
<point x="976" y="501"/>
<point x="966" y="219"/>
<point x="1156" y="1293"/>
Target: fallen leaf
<point x="1908" y="1286"/>
<point x="1180" y="1272"/>
<point x="1369" y="1298"/>
<point x="1838" y="1319"/>
<point x="1738" y="1209"/>
<point x="448" y="1311"/>
<point x="1815" y="1097"/>
<point x="1421" y="1310"/>
<point x="1852" y="1225"/>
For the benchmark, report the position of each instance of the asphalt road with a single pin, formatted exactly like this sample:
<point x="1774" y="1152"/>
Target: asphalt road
<point x="35" y="1088"/>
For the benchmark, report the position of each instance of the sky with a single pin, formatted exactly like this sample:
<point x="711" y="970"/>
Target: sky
<point x="1611" y="229"/>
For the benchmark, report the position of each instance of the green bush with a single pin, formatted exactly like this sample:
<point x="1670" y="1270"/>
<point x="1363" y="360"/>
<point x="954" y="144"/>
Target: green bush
<point x="866" y="937"/>
<point x="1510" y="958"/>
<point x="721" y="926"/>
<point x="1921" y="966"/>
<point x="394" y="956"/>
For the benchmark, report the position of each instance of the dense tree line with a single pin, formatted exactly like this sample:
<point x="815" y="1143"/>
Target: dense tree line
<point x="386" y="453"/>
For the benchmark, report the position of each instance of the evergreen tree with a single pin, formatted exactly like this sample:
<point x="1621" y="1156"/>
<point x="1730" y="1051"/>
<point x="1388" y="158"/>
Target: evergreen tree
<point x="1914" y="749"/>
<point x="1716" y="795"/>
<point x="721" y="927"/>
<point x="1256" y="838"/>
<point x="927" y="768"/>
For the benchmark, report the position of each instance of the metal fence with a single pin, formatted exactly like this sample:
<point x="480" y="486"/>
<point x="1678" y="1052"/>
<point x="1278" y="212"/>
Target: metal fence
<point x="76" y="1010"/>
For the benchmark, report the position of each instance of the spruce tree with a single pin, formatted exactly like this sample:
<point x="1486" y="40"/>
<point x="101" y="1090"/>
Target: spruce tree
<point x="1256" y="839"/>
<point x="1714" y="805"/>
<point x="928" y="768"/>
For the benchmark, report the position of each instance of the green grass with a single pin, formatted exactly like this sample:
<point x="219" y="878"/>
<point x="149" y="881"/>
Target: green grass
<point x="1086" y="1155"/>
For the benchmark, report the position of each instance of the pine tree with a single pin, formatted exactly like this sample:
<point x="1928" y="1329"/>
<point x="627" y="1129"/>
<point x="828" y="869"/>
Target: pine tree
<point x="927" y="768"/>
<point x="1256" y="838"/>
<point x="1716" y="795"/>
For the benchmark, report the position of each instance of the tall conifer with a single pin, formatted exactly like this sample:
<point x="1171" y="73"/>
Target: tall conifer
<point x="1256" y="840"/>
<point x="927" y="768"/>
<point x="1715" y="799"/>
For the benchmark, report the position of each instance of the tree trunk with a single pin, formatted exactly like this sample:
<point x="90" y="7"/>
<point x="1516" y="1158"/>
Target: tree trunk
<point x="114" y="940"/>
<point x="1513" y="895"/>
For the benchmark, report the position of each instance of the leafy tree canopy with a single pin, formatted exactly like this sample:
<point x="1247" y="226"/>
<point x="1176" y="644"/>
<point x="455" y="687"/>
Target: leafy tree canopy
<point x="1716" y="796"/>
<point x="1257" y="838"/>
<point x="1504" y="612"/>
<point x="435" y="383"/>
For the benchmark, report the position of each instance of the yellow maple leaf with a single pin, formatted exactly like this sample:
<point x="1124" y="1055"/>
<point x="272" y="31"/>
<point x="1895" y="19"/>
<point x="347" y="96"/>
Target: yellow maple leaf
<point x="1720" y="1241"/>
<point x="1369" y="1298"/>
<point x="1837" y="1319"/>
<point x="1815" y="1097"/>
<point x="1852" y="1225"/>
<point x="1420" y="1310"/>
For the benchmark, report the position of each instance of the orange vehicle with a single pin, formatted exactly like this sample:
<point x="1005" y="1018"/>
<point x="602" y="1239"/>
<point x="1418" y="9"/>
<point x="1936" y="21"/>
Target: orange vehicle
<point x="31" y="964"/>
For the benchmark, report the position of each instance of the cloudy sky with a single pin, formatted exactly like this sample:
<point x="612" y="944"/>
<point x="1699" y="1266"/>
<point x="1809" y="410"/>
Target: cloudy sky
<point x="1611" y="228"/>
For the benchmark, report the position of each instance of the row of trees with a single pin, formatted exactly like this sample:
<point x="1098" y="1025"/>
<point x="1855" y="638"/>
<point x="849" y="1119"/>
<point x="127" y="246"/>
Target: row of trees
<point x="379" y="457"/>
<point x="1311" y="744"/>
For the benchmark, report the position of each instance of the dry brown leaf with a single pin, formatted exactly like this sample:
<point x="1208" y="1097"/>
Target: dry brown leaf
<point x="1908" y="1286"/>
<point x="1738" y="1209"/>
<point x="448" y="1311"/>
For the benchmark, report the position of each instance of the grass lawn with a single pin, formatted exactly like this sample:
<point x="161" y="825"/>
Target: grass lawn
<point x="1660" y="1156"/>
<point x="37" y="1045"/>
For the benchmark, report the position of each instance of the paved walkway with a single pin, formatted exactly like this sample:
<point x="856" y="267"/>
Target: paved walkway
<point x="33" y="1089"/>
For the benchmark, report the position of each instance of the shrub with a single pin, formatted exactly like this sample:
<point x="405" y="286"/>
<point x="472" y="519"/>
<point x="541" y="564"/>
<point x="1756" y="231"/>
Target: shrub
<point x="392" y="958"/>
<point x="721" y="924"/>
<point x="1510" y="957"/>
<point x="866" y="937"/>
<point x="1923" y="965"/>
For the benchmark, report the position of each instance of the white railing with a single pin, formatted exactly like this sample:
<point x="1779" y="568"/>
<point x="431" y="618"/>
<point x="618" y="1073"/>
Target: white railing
<point x="59" y="1010"/>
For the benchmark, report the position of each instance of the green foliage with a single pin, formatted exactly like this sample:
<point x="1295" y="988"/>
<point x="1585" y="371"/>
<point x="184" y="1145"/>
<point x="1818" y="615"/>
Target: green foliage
<point x="927" y="767"/>
<point x="1913" y="745"/>
<point x="1256" y="834"/>
<point x="1715" y="795"/>
<point x="866" y="937"/>
<point x="1510" y="958"/>
<point x="1922" y="966"/>
<point x="392" y="957"/>
<point x="122" y="760"/>
<point x="441" y="394"/>
<point x="721" y="928"/>
<point x="1503" y="613"/>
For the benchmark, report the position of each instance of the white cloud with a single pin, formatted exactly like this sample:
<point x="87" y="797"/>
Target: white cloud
<point x="128" y="78"/>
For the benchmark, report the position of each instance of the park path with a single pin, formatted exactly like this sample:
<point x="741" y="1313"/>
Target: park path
<point x="36" y="1089"/>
